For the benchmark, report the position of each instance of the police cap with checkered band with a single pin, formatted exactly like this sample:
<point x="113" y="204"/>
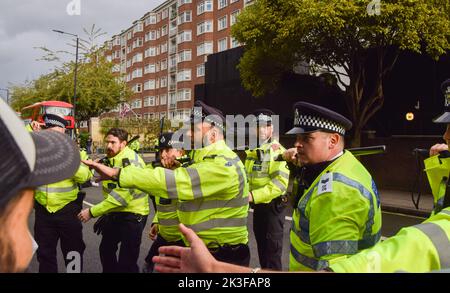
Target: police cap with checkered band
<point x="205" y="113"/>
<point x="309" y="117"/>
<point x="263" y="116"/>
<point x="445" y="117"/>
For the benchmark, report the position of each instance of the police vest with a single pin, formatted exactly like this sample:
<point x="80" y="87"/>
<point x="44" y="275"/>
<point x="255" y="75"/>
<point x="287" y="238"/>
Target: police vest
<point x="55" y="196"/>
<point x="119" y="199"/>
<point x="212" y="193"/>
<point x="338" y="215"/>
<point x="416" y="249"/>
<point x="437" y="170"/>
<point x="268" y="179"/>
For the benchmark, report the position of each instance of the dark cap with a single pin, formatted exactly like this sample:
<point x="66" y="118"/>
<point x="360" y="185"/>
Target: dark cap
<point x="29" y="160"/>
<point x="445" y="117"/>
<point x="166" y="141"/>
<point x="263" y="116"/>
<point x="52" y="120"/>
<point x="309" y="117"/>
<point x="204" y="113"/>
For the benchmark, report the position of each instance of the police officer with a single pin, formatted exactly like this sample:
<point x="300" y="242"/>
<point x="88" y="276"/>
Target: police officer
<point x="437" y="166"/>
<point x="337" y="208"/>
<point x="56" y="212"/>
<point x="124" y="210"/>
<point x="268" y="180"/>
<point x="213" y="190"/>
<point x="164" y="230"/>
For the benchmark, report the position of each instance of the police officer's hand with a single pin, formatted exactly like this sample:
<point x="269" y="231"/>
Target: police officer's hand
<point x="105" y="172"/>
<point x="35" y="125"/>
<point x="437" y="148"/>
<point x="84" y="215"/>
<point x="250" y="197"/>
<point x="153" y="231"/>
<point x="193" y="259"/>
<point x="290" y="155"/>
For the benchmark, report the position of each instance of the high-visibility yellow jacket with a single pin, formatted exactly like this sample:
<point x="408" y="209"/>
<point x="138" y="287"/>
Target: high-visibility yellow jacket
<point x="212" y="193"/>
<point x="55" y="196"/>
<point x="416" y="249"/>
<point x="166" y="217"/>
<point x="268" y="179"/>
<point x="438" y="171"/>
<point x="118" y="199"/>
<point x="337" y="216"/>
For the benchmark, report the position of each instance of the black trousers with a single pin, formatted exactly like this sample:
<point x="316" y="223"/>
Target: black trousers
<point x="235" y="254"/>
<point x="268" y="223"/>
<point x="126" y="229"/>
<point x="160" y="241"/>
<point x="51" y="227"/>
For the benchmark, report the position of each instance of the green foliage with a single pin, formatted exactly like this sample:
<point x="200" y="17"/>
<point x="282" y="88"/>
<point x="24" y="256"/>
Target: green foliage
<point x="98" y="89"/>
<point x="338" y="34"/>
<point x="83" y="136"/>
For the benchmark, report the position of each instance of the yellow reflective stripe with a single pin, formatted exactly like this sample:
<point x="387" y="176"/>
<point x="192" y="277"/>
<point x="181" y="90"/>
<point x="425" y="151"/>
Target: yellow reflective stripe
<point x="139" y="195"/>
<point x="57" y="189"/>
<point x="310" y="262"/>
<point x="116" y="196"/>
<point x="279" y="184"/>
<point x="166" y="208"/>
<point x="219" y="223"/>
<point x="279" y="173"/>
<point x="195" y="182"/>
<point x="199" y="205"/>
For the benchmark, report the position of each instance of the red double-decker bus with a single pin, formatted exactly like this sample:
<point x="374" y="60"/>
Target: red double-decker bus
<point x="37" y="110"/>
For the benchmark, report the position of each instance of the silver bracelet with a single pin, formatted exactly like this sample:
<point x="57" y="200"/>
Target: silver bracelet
<point x="255" y="270"/>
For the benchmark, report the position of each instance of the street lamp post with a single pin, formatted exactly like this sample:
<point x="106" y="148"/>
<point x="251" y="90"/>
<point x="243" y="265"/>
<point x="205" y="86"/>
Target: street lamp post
<point x="76" y="69"/>
<point x="7" y="94"/>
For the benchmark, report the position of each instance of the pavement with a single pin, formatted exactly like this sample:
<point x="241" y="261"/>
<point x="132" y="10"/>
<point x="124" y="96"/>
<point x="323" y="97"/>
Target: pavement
<point x="396" y="201"/>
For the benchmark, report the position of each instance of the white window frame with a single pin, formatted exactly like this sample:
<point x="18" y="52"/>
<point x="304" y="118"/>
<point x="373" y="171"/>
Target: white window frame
<point x="204" y="27"/>
<point x="233" y="16"/>
<point x="184" y="36"/>
<point x="149" y="85"/>
<point x="163" y="100"/>
<point x="185" y="55"/>
<point x="201" y="70"/>
<point x="222" y="23"/>
<point x="222" y="42"/>
<point x="201" y="48"/>
<point x="205" y="6"/>
<point x="222" y="4"/>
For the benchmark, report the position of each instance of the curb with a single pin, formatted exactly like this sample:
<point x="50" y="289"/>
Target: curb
<point x="404" y="210"/>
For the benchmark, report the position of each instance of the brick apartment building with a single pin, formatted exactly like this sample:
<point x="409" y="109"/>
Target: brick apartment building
<point x="162" y="55"/>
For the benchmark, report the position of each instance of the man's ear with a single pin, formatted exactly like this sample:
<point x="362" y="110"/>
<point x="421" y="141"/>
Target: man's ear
<point x="334" y="140"/>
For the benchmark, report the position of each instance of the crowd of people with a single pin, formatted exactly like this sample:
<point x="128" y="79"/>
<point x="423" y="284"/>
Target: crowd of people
<point x="202" y="199"/>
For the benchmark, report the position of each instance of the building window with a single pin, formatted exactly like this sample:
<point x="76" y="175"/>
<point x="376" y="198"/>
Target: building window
<point x="200" y="70"/>
<point x="164" y="30"/>
<point x="222" y="23"/>
<point x="222" y="3"/>
<point x="184" y="75"/>
<point x="116" y="68"/>
<point x="163" y="99"/>
<point x="164" y="64"/>
<point x="136" y="104"/>
<point x="184" y="95"/>
<point x="205" y="27"/>
<point x="204" y="6"/>
<point x="184" y="36"/>
<point x="149" y="68"/>
<point x="149" y="101"/>
<point x="151" y="19"/>
<point x="137" y="58"/>
<point x="222" y="45"/>
<point x="137" y="88"/>
<point x="116" y="41"/>
<point x="136" y="73"/>
<point x="139" y="27"/>
<point x="205" y="48"/>
<point x="234" y="43"/>
<point x="233" y="16"/>
<point x="149" y="85"/>
<point x="150" y="52"/>
<point x="163" y="48"/>
<point x="165" y="13"/>
<point x="185" y="17"/>
<point x="185" y="55"/>
<point x="129" y="35"/>
<point x="182" y="2"/>
<point x="163" y="81"/>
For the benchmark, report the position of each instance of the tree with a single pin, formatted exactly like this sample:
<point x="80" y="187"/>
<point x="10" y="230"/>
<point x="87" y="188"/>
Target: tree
<point x="342" y="37"/>
<point x="98" y="89"/>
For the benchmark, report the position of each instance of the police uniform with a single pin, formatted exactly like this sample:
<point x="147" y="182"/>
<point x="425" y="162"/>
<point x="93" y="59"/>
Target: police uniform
<point x="268" y="180"/>
<point x="56" y="208"/>
<point x="212" y="192"/>
<point x="124" y="214"/>
<point x="337" y="211"/>
<point x="166" y="216"/>
<point x="437" y="167"/>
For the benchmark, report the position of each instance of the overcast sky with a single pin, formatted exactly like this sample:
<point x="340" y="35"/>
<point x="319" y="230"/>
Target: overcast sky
<point x="25" y="24"/>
